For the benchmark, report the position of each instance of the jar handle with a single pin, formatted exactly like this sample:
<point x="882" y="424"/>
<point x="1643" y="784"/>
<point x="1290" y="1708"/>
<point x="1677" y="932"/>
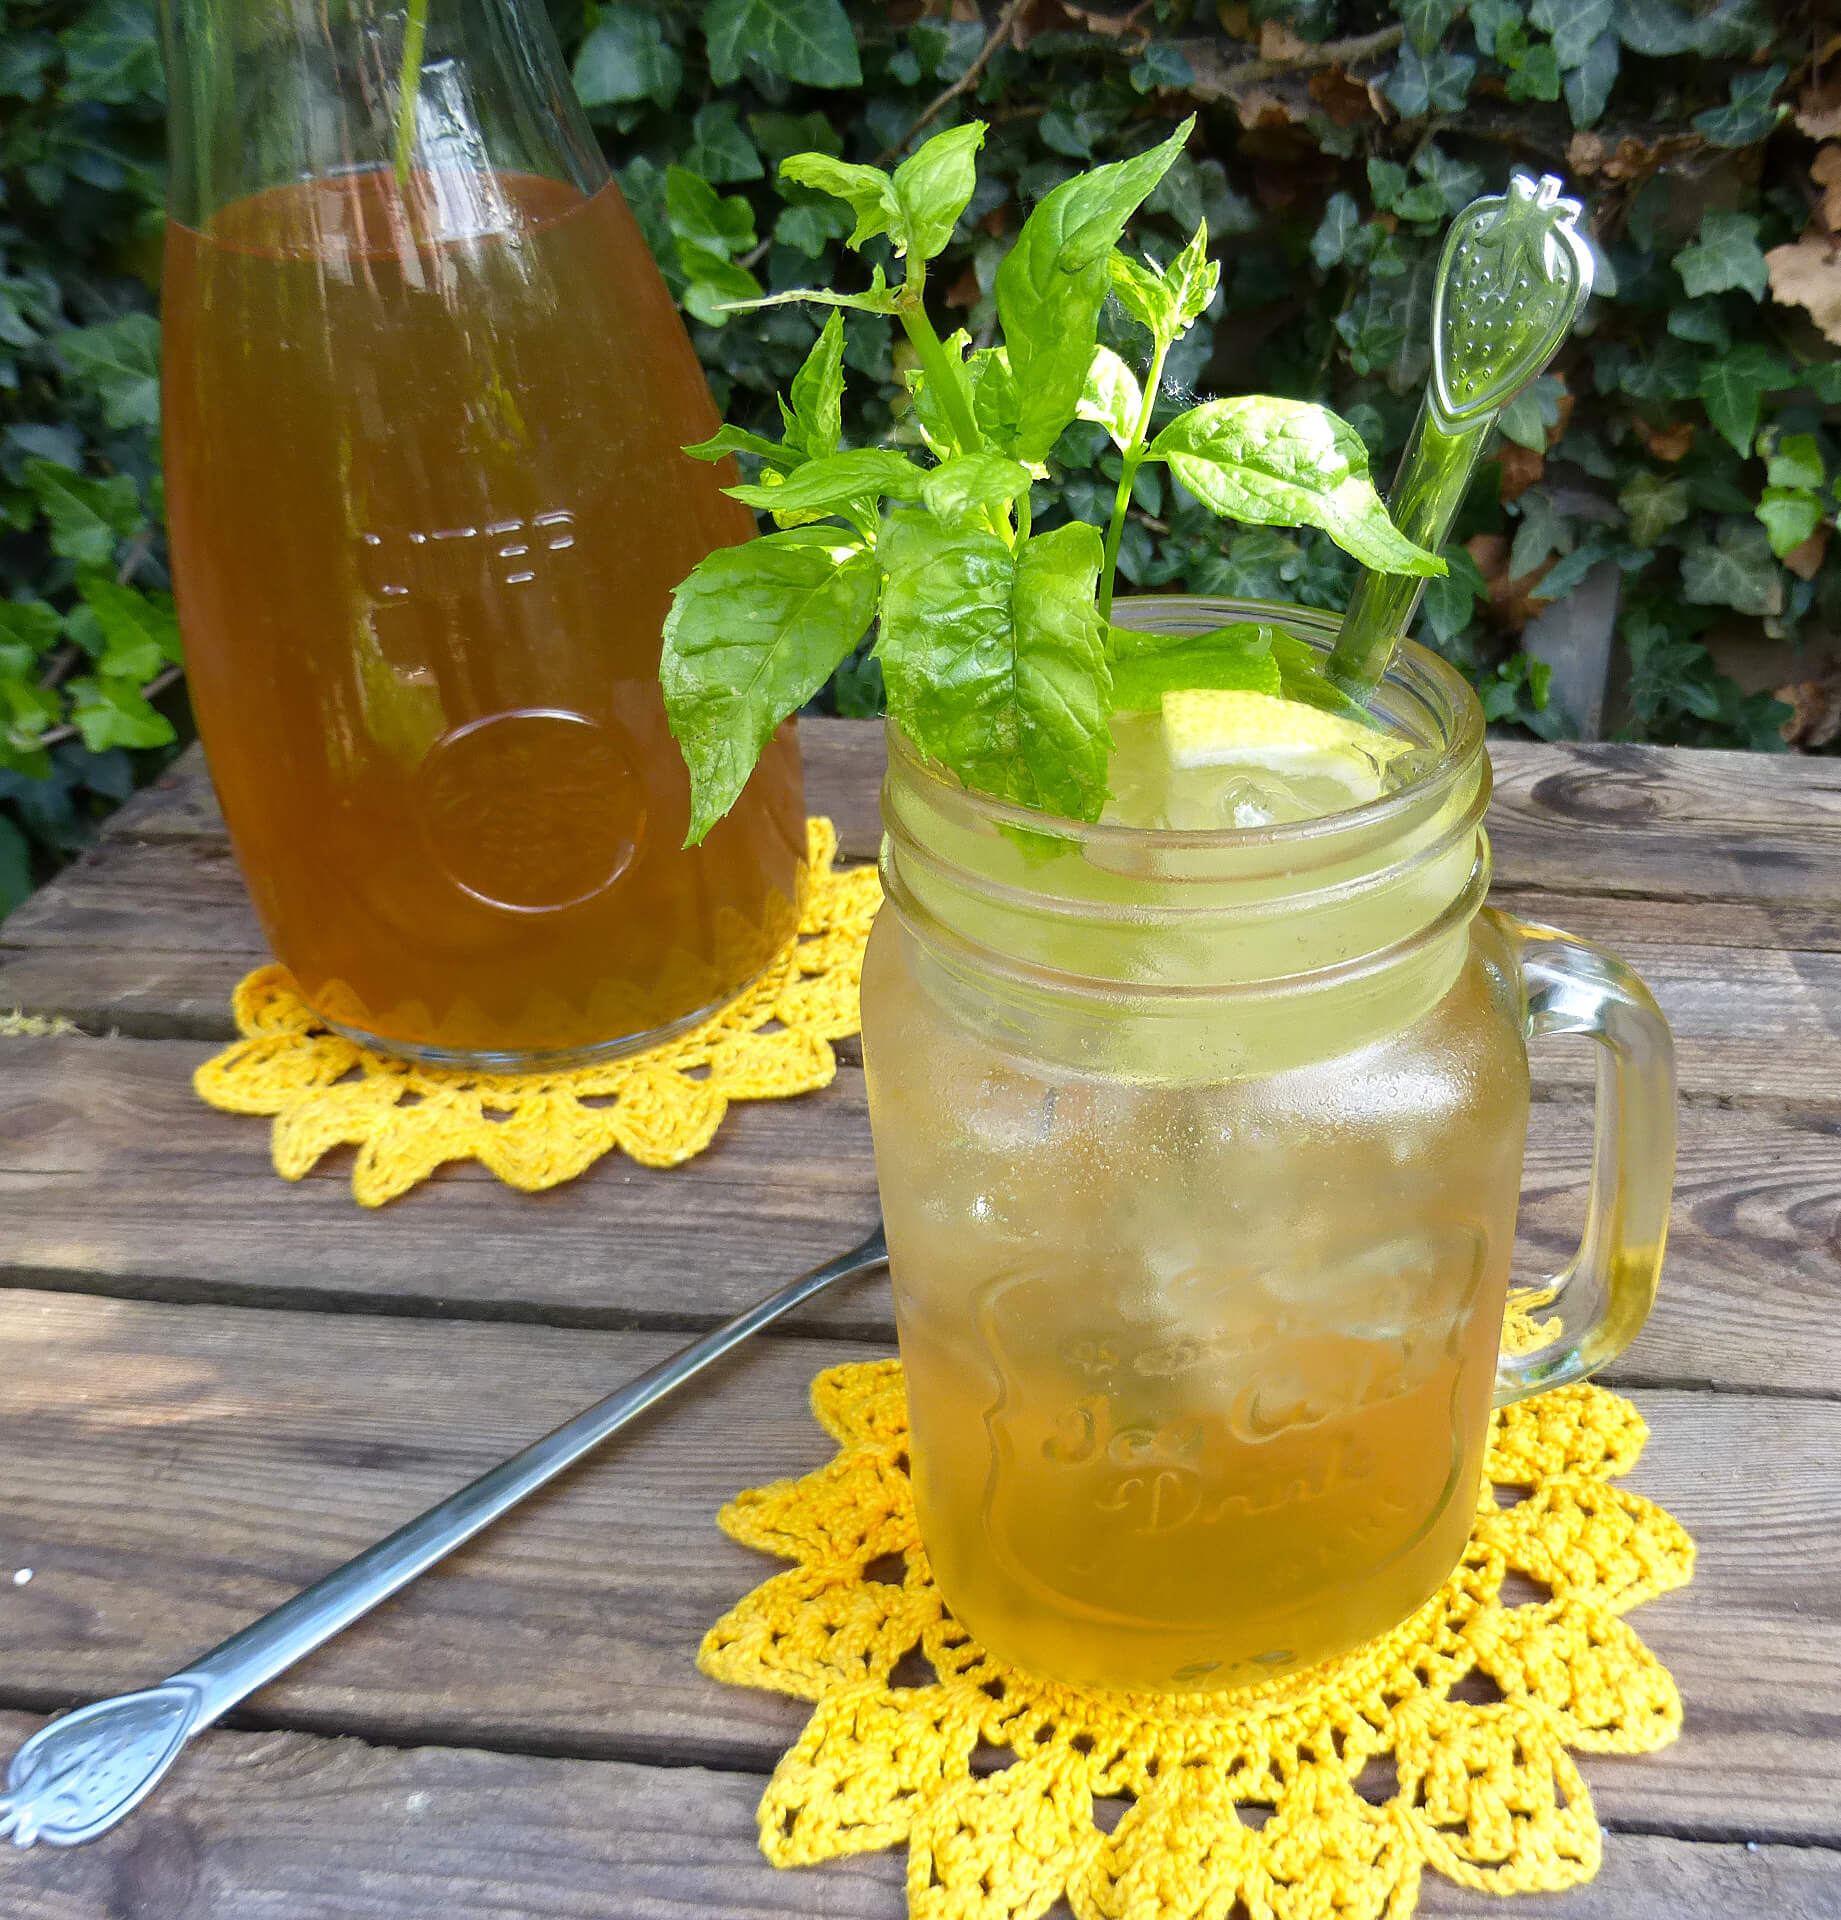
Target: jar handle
<point x="1603" y="1295"/>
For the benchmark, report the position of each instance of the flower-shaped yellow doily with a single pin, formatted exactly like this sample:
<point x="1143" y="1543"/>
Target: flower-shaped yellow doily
<point x="537" y="1130"/>
<point x="1322" y="1795"/>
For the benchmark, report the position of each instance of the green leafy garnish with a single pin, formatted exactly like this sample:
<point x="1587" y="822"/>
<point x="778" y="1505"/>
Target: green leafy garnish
<point x="994" y="639"/>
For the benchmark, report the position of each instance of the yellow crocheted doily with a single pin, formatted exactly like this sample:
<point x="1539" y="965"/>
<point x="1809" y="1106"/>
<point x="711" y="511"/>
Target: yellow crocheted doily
<point x="661" y="1107"/>
<point x="1263" y="1796"/>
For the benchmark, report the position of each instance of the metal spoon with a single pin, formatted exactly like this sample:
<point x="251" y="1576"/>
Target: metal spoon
<point x="1510" y="283"/>
<point x="76" y="1777"/>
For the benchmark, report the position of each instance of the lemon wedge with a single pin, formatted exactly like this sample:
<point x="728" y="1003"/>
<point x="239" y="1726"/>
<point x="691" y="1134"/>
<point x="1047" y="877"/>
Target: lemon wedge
<point x="1206" y="727"/>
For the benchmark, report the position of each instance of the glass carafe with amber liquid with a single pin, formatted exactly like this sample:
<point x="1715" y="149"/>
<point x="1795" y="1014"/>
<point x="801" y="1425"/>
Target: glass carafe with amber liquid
<point x="426" y="396"/>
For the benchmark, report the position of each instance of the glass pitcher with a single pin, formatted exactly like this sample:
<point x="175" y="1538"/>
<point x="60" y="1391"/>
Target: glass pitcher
<point x="425" y="395"/>
<point x="1200" y="1156"/>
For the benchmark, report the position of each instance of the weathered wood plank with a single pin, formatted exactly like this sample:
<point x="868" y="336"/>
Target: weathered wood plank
<point x="1667" y="821"/>
<point x="99" y="1140"/>
<point x="285" y="1826"/>
<point x="150" y="940"/>
<point x="172" y="1474"/>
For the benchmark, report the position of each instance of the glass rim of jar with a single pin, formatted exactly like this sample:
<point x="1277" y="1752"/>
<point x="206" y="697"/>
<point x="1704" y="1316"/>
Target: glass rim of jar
<point x="1331" y="860"/>
<point x="1438" y="689"/>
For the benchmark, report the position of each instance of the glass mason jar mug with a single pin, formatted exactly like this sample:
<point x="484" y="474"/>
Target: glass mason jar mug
<point x="1200" y="1156"/>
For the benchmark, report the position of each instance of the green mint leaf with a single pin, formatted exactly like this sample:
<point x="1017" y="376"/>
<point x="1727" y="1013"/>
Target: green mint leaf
<point x="995" y="662"/>
<point x="806" y="40"/>
<point x="1300" y="668"/>
<point x="1789" y="516"/>
<point x="120" y="362"/>
<point x="1143" y="294"/>
<point x="818" y="394"/>
<point x="868" y="191"/>
<point x="1112" y="397"/>
<point x="1054" y="281"/>
<point x="139" y="633"/>
<point x="1732" y="385"/>
<point x="1284" y="463"/>
<point x="88" y="517"/>
<point x="934" y="186"/>
<point x="727" y="440"/>
<point x="1236" y="658"/>
<point x="1726" y="255"/>
<point x="752" y="635"/>
<point x="971" y="489"/>
<point x="837" y="482"/>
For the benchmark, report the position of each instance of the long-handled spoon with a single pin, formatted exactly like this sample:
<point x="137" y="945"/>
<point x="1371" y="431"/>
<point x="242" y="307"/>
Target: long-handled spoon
<point x="1510" y="283"/>
<point x="75" y="1778"/>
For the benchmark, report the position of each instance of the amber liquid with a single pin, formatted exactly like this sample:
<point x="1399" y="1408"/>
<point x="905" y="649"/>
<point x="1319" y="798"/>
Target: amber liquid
<point x="427" y="505"/>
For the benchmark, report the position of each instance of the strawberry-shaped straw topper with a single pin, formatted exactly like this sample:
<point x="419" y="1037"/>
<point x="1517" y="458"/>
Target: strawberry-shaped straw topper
<point x="1511" y="280"/>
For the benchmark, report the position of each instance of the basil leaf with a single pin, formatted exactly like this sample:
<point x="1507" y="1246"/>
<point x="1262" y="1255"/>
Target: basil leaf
<point x="995" y="405"/>
<point x="971" y="486"/>
<point x="881" y="298"/>
<point x="1192" y="278"/>
<point x="1112" y="397"/>
<point x="752" y="635"/>
<point x="995" y="662"/>
<point x="1054" y="281"/>
<point x="869" y="192"/>
<point x="1141" y="683"/>
<point x="727" y="440"/>
<point x="934" y="187"/>
<point x="818" y="394"/>
<point x="930" y="413"/>
<point x="837" y="481"/>
<point x="1285" y="462"/>
<point x="1144" y="296"/>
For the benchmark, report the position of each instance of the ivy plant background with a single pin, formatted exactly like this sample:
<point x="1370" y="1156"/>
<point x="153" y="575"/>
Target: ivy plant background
<point x="1687" y="439"/>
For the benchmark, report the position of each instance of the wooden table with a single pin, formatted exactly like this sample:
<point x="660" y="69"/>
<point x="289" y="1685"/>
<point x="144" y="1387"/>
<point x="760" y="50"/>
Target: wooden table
<point x="214" y="1386"/>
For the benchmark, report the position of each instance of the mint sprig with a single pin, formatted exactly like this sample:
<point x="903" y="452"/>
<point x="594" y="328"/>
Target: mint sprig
<point x="995" y="643"/>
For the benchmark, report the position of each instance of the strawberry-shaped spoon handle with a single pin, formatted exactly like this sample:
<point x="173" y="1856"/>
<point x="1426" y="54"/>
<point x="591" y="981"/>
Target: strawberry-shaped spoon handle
<point x="1511" y="281"/>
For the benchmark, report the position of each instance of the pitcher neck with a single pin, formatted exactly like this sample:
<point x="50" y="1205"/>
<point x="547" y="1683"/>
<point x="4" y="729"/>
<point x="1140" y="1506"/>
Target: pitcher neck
<point x="287" y="95"/>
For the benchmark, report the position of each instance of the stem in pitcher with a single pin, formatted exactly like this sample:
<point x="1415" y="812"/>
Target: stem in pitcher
<point x="409" y="85"/>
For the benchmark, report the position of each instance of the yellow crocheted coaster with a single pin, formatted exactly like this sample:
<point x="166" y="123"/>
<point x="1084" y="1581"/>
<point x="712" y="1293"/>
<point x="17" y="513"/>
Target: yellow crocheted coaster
<point x="1250" y="1796"/>
<point x="660" y="1107"/>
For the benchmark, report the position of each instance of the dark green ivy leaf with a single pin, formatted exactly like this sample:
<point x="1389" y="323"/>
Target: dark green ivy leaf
<point x="1426" y="20"/>
<point x="1589" y="84"/>
<point x="1732" y="384"/>
<point x="627" y="57"/>
<point x="89" y="517"/>
<point x="112" y="54"/>
<point x="119" y="360"/>
<point x="1748" y="115"/>
<point x="810" y="41"/>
